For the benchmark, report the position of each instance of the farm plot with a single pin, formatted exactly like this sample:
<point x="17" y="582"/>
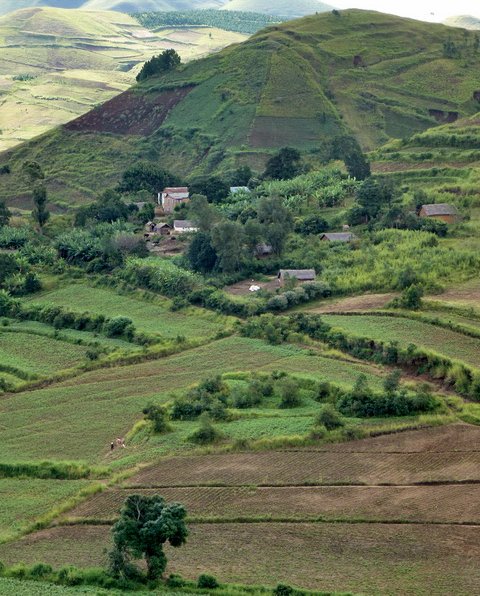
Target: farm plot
<point x="49" y="423"/>
<point x="36" y="355"/>
<point x="153" y="317"/>
<point x="71" y="335"/>
<point x="386" y="559"/>
<point x="352" y="303"/>
<point x="24" y="500"/>
<point x="406" y="331"/>
<point x="279" y="468"/>
<point x="437" y="504"/>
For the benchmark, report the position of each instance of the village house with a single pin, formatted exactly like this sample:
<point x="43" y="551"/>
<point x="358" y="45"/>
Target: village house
<point x="173" y="196"/>
<point x="182" y="226"/>
<point x="157" y="229"/>
<point x="441" y="211"/>
<point x="301" y="275"/>
<point x="338" y="237"/>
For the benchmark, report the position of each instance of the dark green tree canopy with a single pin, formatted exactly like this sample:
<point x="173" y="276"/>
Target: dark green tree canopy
<point x="145" y="525"/>
<point x="4" y="214"/>
<point x="201" y="254"/>
<point x="286" y="164"/>
<point x="213" y="187"/>
<point x="146" y="176"/>
<point x="164" y="62"/>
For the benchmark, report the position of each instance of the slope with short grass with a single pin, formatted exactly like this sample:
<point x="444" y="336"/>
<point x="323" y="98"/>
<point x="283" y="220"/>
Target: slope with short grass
<point x="154" y="316"/>
<point x="57" y="64"/>
<point x="300" y="83"/>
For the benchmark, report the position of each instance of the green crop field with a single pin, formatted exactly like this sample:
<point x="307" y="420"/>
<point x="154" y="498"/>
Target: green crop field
<point x="406" y="331"/>
<point x="26" y="499"/>
<point x="112" y="400"/>
<point x="36" y="355"/>
<point x="152" y="317"/>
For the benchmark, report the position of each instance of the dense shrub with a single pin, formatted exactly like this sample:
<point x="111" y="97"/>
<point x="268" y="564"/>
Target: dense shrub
<point x="119" y="327"/>
<point x="329" y="417"/>
<point x="207" y="582"/>
<point x="206" y="433"/>
<point x="210" y="396"/>
<point x="158" y="417"/>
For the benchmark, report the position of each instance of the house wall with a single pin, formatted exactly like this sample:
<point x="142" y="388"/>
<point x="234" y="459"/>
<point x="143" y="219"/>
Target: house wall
<point x="449" y="219"/>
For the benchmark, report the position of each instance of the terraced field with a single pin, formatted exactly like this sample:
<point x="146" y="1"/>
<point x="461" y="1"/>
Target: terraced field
<point x="112" y="399"/>
<point x="419" y="504"/>
<point x="149" y="317"/>
<point x="386" y="539"/>
<point x="377" y="559"/>
<point x="407" y="331"/>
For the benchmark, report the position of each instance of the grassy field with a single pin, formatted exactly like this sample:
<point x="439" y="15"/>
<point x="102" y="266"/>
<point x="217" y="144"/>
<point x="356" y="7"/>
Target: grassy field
<point x="407" y="331"/>
<point x="152" y="317"/>
<point x="57" y="64"/>
<point x="26" y="499"/>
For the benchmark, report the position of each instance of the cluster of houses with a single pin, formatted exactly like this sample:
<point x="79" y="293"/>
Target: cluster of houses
<point x="172" y="197"/>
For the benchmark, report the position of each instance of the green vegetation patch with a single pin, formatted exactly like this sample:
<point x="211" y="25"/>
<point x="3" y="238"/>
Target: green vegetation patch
<point x="36" y="355"/>
<point x="26" y="499"/>
<point x="151" y="317"/>
<point x="406" y="331"/>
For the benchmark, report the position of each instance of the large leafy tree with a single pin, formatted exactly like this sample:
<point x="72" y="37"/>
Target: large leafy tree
<point x="286" y="164"/>
<point x="201" y="254"/>
<point x="276" y="220"/>
<point x="227" y="240"/>
<point x="213" y="187"/>
<point x="40" y="212"/>
<point x="146" y="176"/>
<point x="145" y="525"/>
<point x="202" y="213"/>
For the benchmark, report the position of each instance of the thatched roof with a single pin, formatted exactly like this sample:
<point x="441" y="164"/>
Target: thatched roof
<point x="338" y="236"/>
<point x="300" y="274"/>
<point x="439" y="209"/>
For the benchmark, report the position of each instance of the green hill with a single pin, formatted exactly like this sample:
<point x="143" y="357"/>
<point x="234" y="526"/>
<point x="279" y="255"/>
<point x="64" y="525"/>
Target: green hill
<point x="57" y="64"/>
<point x="284" y="8"/>
<point x="300" y="83"/>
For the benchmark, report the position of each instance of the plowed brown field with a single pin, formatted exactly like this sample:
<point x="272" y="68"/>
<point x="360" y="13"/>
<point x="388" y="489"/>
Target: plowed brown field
<point x="431" y="504"/>
<point x="386" y="559"/>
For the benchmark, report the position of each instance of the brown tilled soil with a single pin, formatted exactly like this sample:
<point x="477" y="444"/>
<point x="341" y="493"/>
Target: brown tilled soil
<point x="386" y="559"/>
<point x="442" y="454"/>
<point x="431" y="504"/>
<point x="130" y="113"/>
<point x="311" y="468"/>
<point x="354" y="303"/>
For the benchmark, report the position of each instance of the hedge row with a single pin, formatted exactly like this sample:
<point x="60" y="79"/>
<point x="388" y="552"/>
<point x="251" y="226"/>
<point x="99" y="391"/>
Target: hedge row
<point x="465" y="380"/>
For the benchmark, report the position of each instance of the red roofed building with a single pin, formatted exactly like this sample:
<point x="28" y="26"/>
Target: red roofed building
<point x="171" y="197"/>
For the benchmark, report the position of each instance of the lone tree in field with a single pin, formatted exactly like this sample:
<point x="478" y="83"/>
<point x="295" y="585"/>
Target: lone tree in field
<point x="145" y="525"/>
<point x="34" y="175"/>
<point x="40" y="212"/>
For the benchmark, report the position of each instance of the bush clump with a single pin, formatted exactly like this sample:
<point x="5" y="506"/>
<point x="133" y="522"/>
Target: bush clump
<point x="207" y="582"/>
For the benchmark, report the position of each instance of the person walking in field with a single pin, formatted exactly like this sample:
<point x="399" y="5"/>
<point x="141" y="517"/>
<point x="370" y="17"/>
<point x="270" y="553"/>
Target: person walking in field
<point x="112" y="446"/>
